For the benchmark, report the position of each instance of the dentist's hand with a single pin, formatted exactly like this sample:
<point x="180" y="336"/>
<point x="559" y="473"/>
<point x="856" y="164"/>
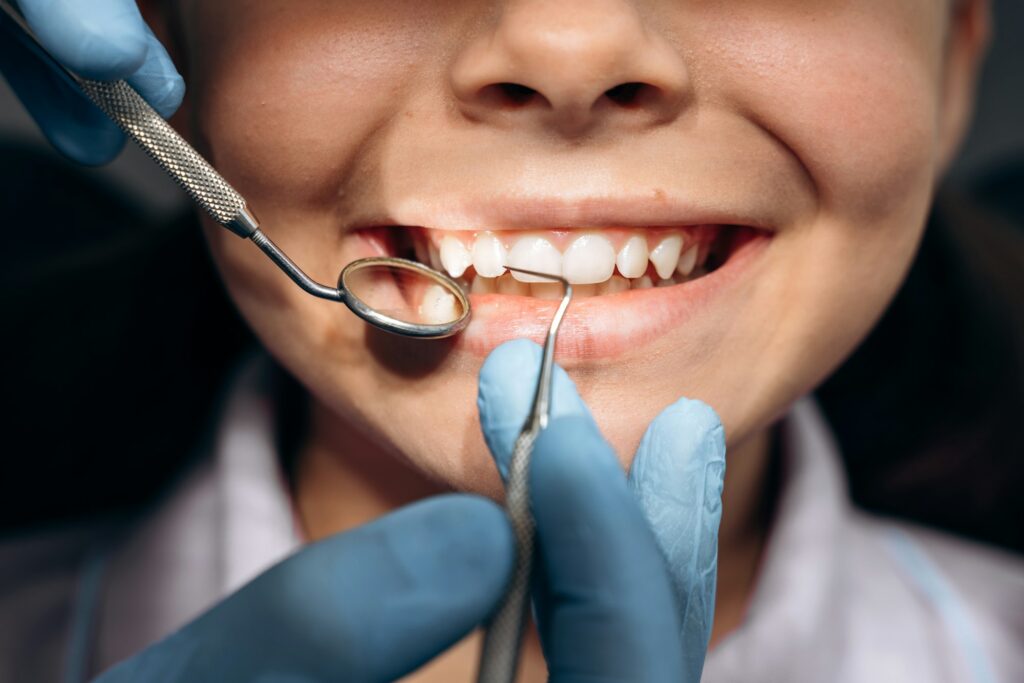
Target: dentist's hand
<point x="375" y="603"/>
<point x="97" y="39"/>
<point x="372" y="604"/>
<point x="676" y="480"/>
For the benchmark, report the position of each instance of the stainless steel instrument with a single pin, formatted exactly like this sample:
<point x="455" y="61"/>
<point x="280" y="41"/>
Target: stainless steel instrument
<point x="499" y="659"/>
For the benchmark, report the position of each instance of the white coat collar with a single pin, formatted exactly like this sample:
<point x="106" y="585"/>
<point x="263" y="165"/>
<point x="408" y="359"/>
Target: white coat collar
<point x="228" y="521"/>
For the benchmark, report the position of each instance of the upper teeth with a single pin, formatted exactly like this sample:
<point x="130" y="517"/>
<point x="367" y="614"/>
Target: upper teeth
<point x="488" y="255"/>
<point x="665" y="256"/>
<point x="632" y="257"/>
<point x="536" y="254"/>
<point x="590" y="257"/>
<point x="454" y="256"/>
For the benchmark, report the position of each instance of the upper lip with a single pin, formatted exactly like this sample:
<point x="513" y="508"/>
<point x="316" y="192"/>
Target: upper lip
<point x="546" y="212"/>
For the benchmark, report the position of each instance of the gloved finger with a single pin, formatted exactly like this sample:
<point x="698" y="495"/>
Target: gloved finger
<point x="677" y="477"/>
<point x="157" y="80"/>
<point x="606" y="610"/>
<point x="508" y="380"/>
<point x="68" y="119"/>
<point x="369" y="605"/>
<point x="107" y="40"/>
<point x="99" y="39"/>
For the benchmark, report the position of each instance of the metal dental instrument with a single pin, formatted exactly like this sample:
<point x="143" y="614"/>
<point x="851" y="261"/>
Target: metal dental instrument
<point x="394" y="294"/>
<point x="500" y="656"/>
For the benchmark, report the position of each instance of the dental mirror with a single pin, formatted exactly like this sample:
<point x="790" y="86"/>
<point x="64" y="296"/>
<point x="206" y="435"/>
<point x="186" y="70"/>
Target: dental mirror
<point x="396" y="295"/>
<point x="404" y="297"/>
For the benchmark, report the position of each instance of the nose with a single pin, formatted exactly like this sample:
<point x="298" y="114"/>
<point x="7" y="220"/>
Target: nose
<point x="570" y="65"/>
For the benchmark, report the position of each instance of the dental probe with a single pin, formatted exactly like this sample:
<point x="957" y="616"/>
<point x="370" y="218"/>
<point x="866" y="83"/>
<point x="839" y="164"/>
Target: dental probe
<point x="500" y="656"/>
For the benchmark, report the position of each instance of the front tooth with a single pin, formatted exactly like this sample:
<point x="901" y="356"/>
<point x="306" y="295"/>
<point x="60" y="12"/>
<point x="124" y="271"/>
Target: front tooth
<point x="585" y="291"/>
<point x="438" y="306"/>
<point x="665" y="256"/>
<point x="687" y="261"/>
<point x="435" y="257"/>
<point x="590" y="259"/>
<point x="454" y="256"/>
<point x="488" y="255"/>
<point x="536" y="254"/>
<point x="632" y="258"/>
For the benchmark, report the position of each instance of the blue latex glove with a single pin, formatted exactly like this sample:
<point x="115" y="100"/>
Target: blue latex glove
<point x="97" y="39"/>
<point x="369" y="605"/>
<point x="676" y="478"/>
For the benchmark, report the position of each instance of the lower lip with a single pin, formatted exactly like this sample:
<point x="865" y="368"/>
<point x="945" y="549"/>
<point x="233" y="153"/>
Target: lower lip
<point x="604" y="326"/>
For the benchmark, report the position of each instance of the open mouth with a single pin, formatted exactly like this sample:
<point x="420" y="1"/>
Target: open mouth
<point x="628" y="283"/>
<point x="596" y="262"/>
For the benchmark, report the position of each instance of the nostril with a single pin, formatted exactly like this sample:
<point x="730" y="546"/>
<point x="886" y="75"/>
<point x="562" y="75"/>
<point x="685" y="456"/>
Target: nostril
<point x="627" y="94"/>
<point x="516" y="93"/>
<point x="509" y="95"/>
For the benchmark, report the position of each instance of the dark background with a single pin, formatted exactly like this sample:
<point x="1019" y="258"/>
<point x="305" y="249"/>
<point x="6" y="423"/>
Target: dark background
<point x="117" y="335"/>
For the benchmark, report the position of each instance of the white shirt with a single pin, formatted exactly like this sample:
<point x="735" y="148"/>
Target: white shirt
<point x="841" y="597"/>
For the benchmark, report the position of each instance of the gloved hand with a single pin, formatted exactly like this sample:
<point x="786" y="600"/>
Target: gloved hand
<point x="377" y="602"/>
<point x="676" y="477"/>
<point x="369" y="605"/>
<point x="98" y="39"/>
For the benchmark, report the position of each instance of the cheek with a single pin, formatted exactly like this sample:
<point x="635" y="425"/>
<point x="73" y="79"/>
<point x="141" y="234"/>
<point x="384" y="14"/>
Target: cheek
<point x="851" y="92"/>
<point x="284" y="100"/>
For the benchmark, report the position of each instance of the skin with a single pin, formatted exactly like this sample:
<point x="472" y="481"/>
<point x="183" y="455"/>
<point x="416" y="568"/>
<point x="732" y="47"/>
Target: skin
<point x="831" y="121"/>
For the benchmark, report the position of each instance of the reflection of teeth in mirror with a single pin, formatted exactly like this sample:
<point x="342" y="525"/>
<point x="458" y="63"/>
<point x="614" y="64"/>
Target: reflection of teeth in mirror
<point x="439" y="306"/>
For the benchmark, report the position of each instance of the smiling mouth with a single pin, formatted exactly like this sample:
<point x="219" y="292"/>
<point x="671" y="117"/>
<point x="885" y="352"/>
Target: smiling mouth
<point x="630" y="285"/>
<point x="597" y="262"/>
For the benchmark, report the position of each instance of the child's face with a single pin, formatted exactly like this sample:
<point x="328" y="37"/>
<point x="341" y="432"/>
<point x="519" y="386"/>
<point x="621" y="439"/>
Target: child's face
<point x="823" y="124"/>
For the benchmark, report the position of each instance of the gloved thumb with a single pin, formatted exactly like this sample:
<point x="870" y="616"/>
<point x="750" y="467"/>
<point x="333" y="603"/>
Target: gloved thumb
<point x="372" y="604"/>
<point x="508" y="380"/>
<point x="677" y="476"/>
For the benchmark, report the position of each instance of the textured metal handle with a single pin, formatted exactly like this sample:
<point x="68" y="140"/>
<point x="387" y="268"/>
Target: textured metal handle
<point x="182" y="162"/>
<point x="500" y="657"/>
